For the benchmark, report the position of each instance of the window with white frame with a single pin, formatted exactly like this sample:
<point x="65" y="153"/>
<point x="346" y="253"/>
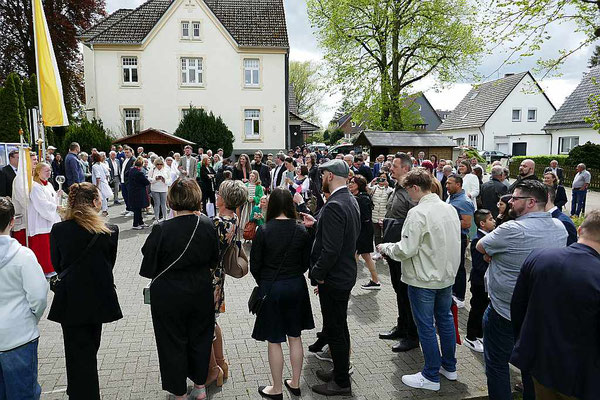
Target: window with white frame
<point x="460" y="141"/>
<point x="132" y="120"/>
<point x="251" y="71"/>
<point x="191" y="71"/>
<point x="185" y="30"/>
<point x="130" y="69"/>
<point x="532" y="115"/>
<point x="565" y="144"/>
<point x="195" y="30"/>
<point x="473" y="140"/>
<point x="516" y="114"/>
<point x="252" y="124"/>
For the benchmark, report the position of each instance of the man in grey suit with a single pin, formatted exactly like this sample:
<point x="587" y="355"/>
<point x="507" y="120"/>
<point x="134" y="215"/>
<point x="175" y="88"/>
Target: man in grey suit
<point x="114" y="165"/>
<point x="188" y="164"/>
<point x="333" y="268"/>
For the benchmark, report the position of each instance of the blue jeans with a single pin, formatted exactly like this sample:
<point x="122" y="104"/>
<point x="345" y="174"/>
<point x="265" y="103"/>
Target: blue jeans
<point x="498" y="343"/>
<point x="578" y="201"/>
<point x="19" y="373"/>
<point x="427" y="304"/>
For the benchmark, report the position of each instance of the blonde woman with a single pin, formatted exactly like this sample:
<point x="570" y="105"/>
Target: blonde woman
<point x="42" y="213"/>
<point x="160" y="180"/>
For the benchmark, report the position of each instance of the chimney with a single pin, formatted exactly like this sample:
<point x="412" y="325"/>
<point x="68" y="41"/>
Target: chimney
<point x="508" y="74"/>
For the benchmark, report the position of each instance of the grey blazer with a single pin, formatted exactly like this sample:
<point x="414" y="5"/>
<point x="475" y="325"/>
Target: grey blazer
<point x="192" y="172"/>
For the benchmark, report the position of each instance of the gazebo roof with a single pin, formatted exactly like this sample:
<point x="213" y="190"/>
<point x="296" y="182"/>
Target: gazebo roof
<point x="153" y="136"/>
<point x="404" y="139"/>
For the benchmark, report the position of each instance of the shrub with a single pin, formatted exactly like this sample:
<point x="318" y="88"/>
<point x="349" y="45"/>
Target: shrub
<point x="335" y="136"/>
<point x="470" y="153"/>
<point x="206" y="131"/>
<point x="541" y="160"/>
<point x="588" y="153"/>
<point x="88" y="134"/>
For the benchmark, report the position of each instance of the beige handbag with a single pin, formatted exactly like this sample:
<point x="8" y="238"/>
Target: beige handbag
<point x="235" y="260"/>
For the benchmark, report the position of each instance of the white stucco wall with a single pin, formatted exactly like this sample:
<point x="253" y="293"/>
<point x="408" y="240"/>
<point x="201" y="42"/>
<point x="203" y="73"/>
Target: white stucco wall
<point x="161" y="98"/>
<point x="464" y="134"/>
<point x="525" y="96"/>
<point x="584" y="134"/>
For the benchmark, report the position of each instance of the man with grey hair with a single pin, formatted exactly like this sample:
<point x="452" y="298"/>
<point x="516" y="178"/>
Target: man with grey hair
<point x="526" y="172"/>
<point x="492" y="190"/>
<point x="447" y="171"/>
<point x="557" y="170"/>
<point x="580" y="185"/>
<point x="114" y="166"/>
<point x="506" y="176"/>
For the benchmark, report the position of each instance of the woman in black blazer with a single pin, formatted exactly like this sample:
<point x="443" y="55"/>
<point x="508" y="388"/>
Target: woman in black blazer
<point x="137" y="194"/>
<point x="86" y="297"/>
<point x="207" y="177"/>
<point x="282" y="244"/>
<point x="551" y="179"/>
<point x="182" y="296"/>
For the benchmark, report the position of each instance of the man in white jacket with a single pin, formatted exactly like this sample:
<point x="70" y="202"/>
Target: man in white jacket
<point x="430" y="255"/>
<point x="23" y="293"/>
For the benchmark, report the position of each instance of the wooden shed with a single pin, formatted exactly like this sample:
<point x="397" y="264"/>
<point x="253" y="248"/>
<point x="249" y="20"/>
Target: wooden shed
<point x="391" y="142"/>
<point x="155" y="140"/>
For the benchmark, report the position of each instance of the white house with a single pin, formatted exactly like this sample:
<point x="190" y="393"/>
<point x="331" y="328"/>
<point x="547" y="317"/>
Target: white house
<point x="568" y="127"/>
<point x="506" y="114"/>
<point x="145" y="67"/>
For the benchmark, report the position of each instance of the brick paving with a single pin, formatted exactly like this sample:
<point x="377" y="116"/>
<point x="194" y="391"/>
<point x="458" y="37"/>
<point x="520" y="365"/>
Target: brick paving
<point x="128" y="361"/>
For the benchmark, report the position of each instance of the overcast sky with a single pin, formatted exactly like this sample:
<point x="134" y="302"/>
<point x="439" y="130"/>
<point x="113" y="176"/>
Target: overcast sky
<point x="304" y="46"/>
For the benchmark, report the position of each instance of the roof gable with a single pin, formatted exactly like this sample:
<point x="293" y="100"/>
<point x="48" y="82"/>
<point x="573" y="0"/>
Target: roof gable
<point x="575" y="109"/>
<point x="251" y="23"/>
<point x="483" y="100"/>
<point x="404" y="139"/>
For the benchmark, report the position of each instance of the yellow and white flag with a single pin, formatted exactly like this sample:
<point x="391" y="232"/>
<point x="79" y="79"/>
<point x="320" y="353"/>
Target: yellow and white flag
<point x="52" y="103"/>
<point x="21" y="188"/>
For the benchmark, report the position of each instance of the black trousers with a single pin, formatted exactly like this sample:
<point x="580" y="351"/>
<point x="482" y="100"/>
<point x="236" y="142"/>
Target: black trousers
<point x="334" y="307"/>
<point x="406" y="323"/>
<point x="81" y="348"/>
<point x="479" y="302"/>
<point x="137" y="217"/>
<point x="124" y="193"/>
<point x="460" y="284"/>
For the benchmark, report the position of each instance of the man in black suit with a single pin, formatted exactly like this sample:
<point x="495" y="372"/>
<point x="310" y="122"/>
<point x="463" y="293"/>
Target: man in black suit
<point x="555" y="313"/>
<point x="492" y="190"/>
<point x="262" y="169"/>
<point x="333" y="268"/>
<point x="278" y="172"/>
<point x="8" y="174"/>
<point x="124" y="178"/>
<point x="556" y="169"/>
<point x="362" y="169"/>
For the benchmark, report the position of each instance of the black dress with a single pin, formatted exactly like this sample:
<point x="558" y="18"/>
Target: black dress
<point x="364" y="244"/>
<point x="182" y="301"/>
<point x="287" y="310"/>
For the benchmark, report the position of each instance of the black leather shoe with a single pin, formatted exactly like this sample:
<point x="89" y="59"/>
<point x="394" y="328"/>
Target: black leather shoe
<point x="332" y="389"/>
<point x="317" y="346"/>
<point x="293" y="390"/>
<point x="393" y="333"/>
<point x="269" y="396"/>
<point x="325" y="376"/>
<point x="405" y="345"/>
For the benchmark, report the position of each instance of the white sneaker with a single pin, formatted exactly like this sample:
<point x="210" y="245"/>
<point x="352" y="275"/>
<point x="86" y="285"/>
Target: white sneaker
<point x="351" y="369"/>
<point x="376" y="256"/>
<point x="324" y="355"/>
<point x="459" y="303"/>
<point x="451" y="376"/>
<point x="138" y="228"/>
<point x="129" y="214"/>
<point x="474" y="345"/>
<point x="418" y="381"/>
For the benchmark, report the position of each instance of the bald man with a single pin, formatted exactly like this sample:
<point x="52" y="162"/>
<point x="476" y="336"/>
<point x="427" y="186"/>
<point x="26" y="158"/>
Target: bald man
<point x="526" y="171"/>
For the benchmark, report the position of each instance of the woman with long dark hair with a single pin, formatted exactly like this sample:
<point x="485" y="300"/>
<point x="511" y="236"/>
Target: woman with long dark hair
<point x="504" y="207"/>
<point x="278" y="260"/>
<point x="242" y="169"/>
<point x="86" y="298"/>
<point x="364" y="245"/>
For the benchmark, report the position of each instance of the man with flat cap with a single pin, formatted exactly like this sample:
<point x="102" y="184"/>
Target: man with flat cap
<point x="333" y="268"/>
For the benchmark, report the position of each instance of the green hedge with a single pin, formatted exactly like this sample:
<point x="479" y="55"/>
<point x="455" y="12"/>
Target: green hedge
<point x="541" y="160"/>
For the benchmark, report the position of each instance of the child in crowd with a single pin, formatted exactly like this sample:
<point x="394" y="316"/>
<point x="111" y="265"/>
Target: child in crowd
<point x="479" y="298"/>
<point x="259" y="212"/>
<point x="23" y="293"/>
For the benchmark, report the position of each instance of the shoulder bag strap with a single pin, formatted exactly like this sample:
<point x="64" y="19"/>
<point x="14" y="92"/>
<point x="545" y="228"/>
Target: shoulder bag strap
<point x="283" y="259"/>
<point x="78" y="259"/>
<point x="181" y="255"/>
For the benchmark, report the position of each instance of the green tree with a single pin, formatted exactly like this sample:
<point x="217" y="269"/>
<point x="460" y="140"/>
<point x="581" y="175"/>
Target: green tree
<point x="377" y="49"/>
<point x="206" y="130"/>
<point x="588" y="153"/>
<point x="22" y="109"/>
<point x="88" y="134"/>
<point x="10" y="119"/>
<point x="335" y="135"/>
<point x="30" y="92"/>
<point x="305" y="80"/>
<point x="326" y="136"/>
<point x="595" y="58"/>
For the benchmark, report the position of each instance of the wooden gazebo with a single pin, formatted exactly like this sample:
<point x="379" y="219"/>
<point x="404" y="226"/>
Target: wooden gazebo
<point x="406" y="141"/>
<point x="155" y="140"/>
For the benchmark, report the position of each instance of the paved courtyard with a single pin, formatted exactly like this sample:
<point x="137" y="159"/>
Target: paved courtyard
<point x="128" y="362"/>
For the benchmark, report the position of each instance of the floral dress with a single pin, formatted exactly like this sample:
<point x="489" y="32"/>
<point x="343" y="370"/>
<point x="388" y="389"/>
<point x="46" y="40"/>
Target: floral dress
<point x="223" y="225"/>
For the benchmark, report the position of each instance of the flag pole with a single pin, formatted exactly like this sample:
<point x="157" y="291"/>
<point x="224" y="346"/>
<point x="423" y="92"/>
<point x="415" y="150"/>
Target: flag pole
<point x="25" y="212"/>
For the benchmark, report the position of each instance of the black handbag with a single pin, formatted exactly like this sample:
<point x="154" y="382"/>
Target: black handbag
<point x="55" y="281"/>
<point x="256" y="301"/>
<point x="392" y="230"/>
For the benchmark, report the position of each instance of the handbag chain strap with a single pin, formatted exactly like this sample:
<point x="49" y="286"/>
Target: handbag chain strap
<point x="181" y="255"/>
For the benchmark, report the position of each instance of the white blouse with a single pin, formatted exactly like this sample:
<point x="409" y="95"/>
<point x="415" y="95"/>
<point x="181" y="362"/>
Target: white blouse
<point x="471" y="187"/>
<point x="41" y="212"/>
<point x="156" y="185"/>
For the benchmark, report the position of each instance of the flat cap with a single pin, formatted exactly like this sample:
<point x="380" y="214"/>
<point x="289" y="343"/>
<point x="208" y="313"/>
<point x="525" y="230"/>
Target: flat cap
<point x="336" y="167"/>
<point x="51" y="148"/>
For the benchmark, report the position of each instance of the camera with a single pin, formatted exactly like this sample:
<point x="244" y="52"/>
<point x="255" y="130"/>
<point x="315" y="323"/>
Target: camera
<point x="380" y="180"/>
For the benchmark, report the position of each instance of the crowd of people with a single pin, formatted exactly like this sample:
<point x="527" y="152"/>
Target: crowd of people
<point x="300" y="212"/>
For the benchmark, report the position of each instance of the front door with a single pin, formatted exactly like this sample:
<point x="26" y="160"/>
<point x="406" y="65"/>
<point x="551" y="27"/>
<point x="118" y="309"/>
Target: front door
<point x="519" y="149"/>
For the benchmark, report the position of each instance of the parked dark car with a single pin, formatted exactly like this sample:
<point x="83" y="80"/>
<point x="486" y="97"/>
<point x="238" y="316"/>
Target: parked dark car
<point x="343" y="148"/>
<point x="493" y="155"/>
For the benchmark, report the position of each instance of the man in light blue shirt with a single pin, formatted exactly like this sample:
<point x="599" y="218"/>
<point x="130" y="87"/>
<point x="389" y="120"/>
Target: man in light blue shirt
<point x="508" y="246"/>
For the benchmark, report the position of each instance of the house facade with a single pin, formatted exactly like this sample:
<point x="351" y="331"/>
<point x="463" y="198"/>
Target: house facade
<point x="146" y="67"/>
<point x="506" y="114"/>
<point x="567" y="126"/>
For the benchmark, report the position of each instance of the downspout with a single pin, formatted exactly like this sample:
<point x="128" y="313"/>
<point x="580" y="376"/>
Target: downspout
<point x="482" y="139"/>
<point x="288" y="137"/>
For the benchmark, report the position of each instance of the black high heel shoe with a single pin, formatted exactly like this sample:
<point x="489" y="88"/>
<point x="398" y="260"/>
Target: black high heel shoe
<point x="269" y="396"/>
<point x="294" y="391"/>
